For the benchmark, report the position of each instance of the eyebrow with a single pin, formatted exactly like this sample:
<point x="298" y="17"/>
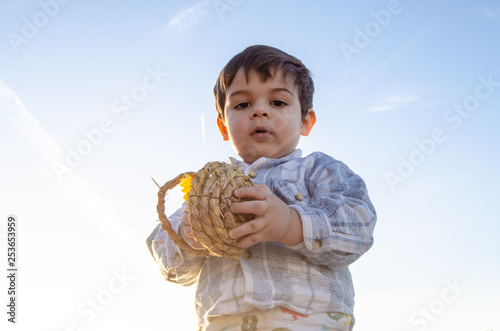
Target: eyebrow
<point x="274" y="90"/>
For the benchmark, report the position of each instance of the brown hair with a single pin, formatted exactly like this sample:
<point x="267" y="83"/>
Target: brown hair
<point x="265" y="60"/>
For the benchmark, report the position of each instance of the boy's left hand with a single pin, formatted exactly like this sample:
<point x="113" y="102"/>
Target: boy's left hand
<point x="274" y="220"/>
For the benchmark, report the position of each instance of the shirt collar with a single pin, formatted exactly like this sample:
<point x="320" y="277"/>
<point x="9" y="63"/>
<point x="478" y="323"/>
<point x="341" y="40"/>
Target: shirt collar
<point x="264" y="162"/>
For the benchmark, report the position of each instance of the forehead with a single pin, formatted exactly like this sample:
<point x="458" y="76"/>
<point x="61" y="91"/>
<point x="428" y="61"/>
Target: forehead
<point x="255" y="79"/>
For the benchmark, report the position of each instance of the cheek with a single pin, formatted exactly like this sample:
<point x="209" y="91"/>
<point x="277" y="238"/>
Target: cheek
<point x="291" y="126"/>
<point x="231" y="127"/>
<point x="287" y="119"/>
<point x="235" y="124"/>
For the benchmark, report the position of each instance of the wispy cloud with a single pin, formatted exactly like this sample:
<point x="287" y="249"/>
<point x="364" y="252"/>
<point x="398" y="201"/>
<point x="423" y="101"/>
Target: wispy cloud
<point x="94" y="207"/>
<point x="26" y="124"/>
<point x="492" y="14"/>
<point x="393" y="102"/>
<point x="187" y="19"/>
<point x="382" y="65"/>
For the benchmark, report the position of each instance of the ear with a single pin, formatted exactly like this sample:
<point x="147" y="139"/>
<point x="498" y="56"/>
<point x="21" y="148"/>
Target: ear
<point x="222" y="129"/>
<point x="308" y="123"/>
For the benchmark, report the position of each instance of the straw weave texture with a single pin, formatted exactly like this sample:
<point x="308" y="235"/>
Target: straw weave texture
<point x="208" y="205"/>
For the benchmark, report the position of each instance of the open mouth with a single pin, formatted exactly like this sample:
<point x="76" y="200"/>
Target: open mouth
<point x="260" y="130"/>
<point x="260" y="133"/>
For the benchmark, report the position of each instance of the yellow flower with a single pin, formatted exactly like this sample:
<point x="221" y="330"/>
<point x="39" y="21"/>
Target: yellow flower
<point x="186" y="184"/>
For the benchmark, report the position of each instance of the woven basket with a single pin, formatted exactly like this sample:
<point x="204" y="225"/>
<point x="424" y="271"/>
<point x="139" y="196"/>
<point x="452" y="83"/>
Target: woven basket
<point x="209" y="215"/>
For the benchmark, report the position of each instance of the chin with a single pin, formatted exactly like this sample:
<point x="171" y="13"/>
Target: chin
<point x="249" y="158"/>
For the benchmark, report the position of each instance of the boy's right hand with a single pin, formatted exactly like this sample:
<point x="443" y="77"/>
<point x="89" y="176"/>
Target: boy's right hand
<point x="186" y="233"/>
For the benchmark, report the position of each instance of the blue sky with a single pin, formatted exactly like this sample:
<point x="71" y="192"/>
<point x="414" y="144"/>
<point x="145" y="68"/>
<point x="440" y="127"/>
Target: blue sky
<point x="96" y="97"/>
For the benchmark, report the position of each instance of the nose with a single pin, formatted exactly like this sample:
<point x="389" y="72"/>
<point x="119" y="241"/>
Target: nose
<point x="259" y="111"/>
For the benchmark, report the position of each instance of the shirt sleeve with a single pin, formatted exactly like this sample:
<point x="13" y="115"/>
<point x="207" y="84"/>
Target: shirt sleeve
<point x="339" y="220"/>
<point x="176" y="265"/>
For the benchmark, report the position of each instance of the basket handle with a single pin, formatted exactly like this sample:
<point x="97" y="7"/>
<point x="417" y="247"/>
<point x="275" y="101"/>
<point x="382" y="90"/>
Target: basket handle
<point x="165" y="223"/>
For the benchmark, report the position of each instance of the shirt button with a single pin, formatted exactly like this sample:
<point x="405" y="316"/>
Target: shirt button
<point x="317" y="244"/>
<point x="172" y="275"/>
<point x="252" y="174"/>
<point x="299" y="197"/>
<point x="177" y="257"/>
<point x="249" y="323"/>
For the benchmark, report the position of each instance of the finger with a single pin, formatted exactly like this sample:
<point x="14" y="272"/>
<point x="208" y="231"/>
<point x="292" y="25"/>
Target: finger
<point x="249" y="207"/>
<point x="253" y="226"/>
<point x="186" y="231"/>
<point x="185" y="217"/>
<point x="187" y="235"/>
<point x="196" y="245"/>
<point x="251" y="240"/>
<point x="188" y="238"/>
<point x="257" y="192"/>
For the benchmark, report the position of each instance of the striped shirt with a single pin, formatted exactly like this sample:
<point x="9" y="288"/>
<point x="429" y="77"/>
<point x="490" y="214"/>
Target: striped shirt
<point x="313" y="277"/>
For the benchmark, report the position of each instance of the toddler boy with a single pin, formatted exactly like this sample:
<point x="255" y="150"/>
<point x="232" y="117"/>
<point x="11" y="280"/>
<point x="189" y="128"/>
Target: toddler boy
<point x="313" y="216"/>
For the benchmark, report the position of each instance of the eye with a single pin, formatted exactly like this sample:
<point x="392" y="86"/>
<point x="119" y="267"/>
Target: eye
<point x="242" y="105"/>
<point x="278" y="103"/>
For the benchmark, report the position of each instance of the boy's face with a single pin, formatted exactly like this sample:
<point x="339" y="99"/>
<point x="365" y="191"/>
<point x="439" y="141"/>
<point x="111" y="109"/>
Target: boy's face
<point x="263" y="119"/>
